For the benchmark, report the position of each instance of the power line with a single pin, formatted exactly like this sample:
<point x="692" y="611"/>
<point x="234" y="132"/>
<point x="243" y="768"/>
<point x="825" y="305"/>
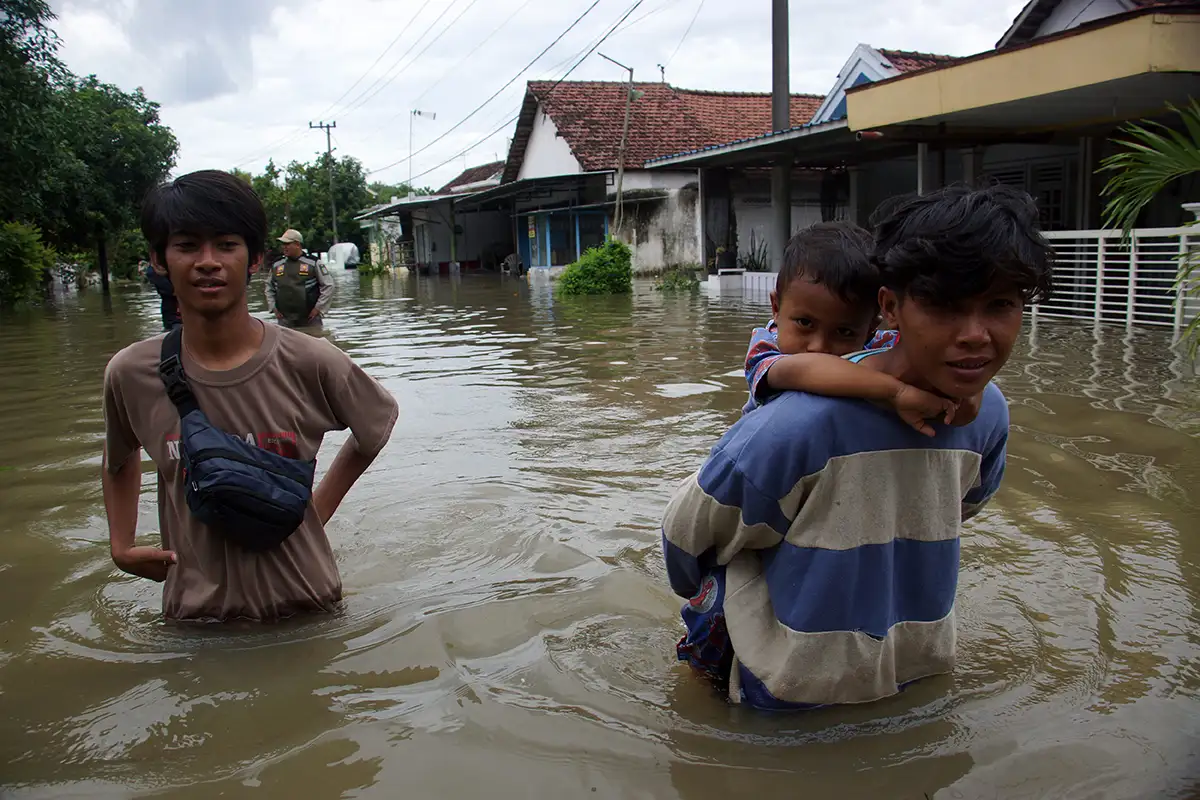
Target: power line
<point x="367" y="94"/>
<point x="511" y="80"/>
<point x="472" y="53"/>
<point x="379" y="58"/>
<point x="295" y="134"/>
<point x="513" y="118"/>
<point x="667" y="63"/>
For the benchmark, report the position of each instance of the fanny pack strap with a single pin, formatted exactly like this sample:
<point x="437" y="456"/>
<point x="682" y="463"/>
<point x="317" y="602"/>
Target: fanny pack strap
<point x="170" y="370"/>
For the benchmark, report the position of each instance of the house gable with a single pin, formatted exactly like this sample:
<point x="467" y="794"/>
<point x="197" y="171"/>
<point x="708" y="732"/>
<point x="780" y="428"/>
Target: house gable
<point x="475" y="178"/>
<point x="868" y="64"/>
<point x="547" y="152"/>
<point x="865" y="65"/>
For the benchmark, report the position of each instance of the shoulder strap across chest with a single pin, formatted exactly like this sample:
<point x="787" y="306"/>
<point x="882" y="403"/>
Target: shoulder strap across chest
<point x="170" y="371"/>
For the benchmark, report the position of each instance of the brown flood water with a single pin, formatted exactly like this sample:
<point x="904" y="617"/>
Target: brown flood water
<point x="508" y="632"/>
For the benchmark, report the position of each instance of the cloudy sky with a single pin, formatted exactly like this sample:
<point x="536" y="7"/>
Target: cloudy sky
<point x="239" y="80"/>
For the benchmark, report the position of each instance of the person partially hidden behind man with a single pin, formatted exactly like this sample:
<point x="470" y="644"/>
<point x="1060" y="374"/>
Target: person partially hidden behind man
<point x="818" y="545"/>
<point x="232" y="411"/>
<point x="168" y="306"/>
<point x="299" y="289"/>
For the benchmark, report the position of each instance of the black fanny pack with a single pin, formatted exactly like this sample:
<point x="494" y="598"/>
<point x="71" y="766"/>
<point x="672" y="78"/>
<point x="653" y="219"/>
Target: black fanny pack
<point x="253" y="497"/>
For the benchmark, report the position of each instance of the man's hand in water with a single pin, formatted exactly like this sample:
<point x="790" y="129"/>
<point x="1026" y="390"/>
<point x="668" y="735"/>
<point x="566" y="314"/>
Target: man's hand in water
<point x="145" y="562"/>
<point x="916" y="406"/>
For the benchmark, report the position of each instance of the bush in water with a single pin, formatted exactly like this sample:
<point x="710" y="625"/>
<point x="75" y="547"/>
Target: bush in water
<point x="23" y="260"/>
<point x="678" y="278"/>
<point x="605" y="269"/>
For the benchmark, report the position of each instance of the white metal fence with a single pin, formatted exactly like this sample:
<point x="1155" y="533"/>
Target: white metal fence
<point x="1103" y="277"/>
<point x="1099" y="276"/>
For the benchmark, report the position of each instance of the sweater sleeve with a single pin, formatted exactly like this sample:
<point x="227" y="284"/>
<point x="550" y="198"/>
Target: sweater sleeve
<point x="991" y="468"/>
<point x="762" y="353"/>
<point x="715" y="514"/>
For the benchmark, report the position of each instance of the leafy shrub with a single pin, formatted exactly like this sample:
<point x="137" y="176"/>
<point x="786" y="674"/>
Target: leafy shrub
<point x="23" y="258"/>
<point x="369" y="266"/>
<point x="605" y="269"/>
<point x="679" y="278"/>
<point x="757" y="257"/>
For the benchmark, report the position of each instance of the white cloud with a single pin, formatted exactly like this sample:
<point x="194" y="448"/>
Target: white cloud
<point x="239" y="80"/>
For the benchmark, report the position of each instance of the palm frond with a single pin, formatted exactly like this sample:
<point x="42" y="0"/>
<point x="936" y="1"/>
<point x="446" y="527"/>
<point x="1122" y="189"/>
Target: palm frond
<point x="1154" y="155"/>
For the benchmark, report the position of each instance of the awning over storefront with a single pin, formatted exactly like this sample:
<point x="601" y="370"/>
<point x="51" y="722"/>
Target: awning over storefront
<point x="535" y="188"/>
<point x="830" y="144"/>
<point x="1114" y="69"/>
<point x="409" y="204"/>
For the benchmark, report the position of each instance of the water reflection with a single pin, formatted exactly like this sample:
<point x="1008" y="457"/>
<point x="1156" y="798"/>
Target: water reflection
<point x="507" y="624"/>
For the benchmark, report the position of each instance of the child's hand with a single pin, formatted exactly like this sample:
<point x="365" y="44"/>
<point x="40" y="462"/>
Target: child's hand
<point x="915" y="406"/>
<point x="968" y="409"/>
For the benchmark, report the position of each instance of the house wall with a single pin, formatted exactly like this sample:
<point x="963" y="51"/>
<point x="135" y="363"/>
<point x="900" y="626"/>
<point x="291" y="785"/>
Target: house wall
<point x="1073" y="13"/>
<point x="431" y="238"/>
<point x="752" y="209"/>
<point x="546" y="153"/>
<point x="663" y="233"/>
<point x="487" y="237"/>
<point x="637" y="179"/>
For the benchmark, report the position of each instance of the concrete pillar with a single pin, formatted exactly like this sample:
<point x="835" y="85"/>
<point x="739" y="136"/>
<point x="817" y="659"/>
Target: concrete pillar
<point x="857" y="202"/>
<point x="1085" y="185"/>
<point x="781" y="210"/>
<point x="923" y="168"/>
<point x="781" y="101"/>
<point x="972" y="165"/>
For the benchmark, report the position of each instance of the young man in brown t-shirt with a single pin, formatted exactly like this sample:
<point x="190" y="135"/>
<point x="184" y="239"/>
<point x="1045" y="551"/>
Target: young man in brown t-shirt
<point x="279" y="389"/>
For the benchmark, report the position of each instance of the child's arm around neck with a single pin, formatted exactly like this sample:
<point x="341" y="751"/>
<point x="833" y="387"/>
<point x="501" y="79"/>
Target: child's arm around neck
<point x="833" y="376"/>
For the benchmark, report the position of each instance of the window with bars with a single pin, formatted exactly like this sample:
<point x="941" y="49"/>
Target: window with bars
<point x="1046" y="183"/>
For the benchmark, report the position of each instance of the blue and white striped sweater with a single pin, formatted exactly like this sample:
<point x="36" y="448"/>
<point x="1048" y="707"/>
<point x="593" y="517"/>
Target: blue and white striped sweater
<point x="838" y="525"/>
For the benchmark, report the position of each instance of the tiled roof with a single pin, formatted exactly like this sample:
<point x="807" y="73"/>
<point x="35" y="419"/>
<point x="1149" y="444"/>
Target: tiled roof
<point x="473" y="175"/>
<point x="909" y="61"/>
<point x="1154" y="3"/>
<point x="662" y="120"/>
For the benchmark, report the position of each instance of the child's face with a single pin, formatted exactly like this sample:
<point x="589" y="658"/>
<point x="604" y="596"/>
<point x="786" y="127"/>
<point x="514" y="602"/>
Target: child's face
<point x="812" y="319"/>
<point x="955" y="350"/>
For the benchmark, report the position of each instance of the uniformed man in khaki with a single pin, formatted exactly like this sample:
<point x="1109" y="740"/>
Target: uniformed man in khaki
<point x="299" y="288"/>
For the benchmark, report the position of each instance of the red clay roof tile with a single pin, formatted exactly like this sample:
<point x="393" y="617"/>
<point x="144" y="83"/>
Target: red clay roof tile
<point x="663" y="120"/>
<point x="473" y="175"/>
<point x="909" y="61"/>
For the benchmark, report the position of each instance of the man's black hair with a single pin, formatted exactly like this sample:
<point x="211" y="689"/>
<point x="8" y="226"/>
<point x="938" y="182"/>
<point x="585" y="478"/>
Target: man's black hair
<point x="958" y="242"/>
<point x="836" y="255"/>
<point x="208" y="202"/>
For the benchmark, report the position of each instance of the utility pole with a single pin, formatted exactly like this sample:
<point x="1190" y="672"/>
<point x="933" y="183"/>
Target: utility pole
<point x="327" y="127"/>
<point x="781" y="101"/>
<point x="618" y="215"/>
<point x="415" y="113"/>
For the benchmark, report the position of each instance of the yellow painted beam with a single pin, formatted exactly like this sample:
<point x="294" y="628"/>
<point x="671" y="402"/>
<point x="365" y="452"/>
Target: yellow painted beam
<point x="1146" y="43"/>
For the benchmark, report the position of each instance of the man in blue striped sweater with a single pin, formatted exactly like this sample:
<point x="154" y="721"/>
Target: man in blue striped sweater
<point x="819" y="543"/>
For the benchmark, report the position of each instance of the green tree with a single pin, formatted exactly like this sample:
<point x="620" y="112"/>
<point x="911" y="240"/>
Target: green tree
<point x="29" y="74"/>
<point x="1152" y="156"/>
<point x="298" y="197"/>
<point x="384" y="192"/>
<point x="113" y="150"/>
<point x="23" y="261"/>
